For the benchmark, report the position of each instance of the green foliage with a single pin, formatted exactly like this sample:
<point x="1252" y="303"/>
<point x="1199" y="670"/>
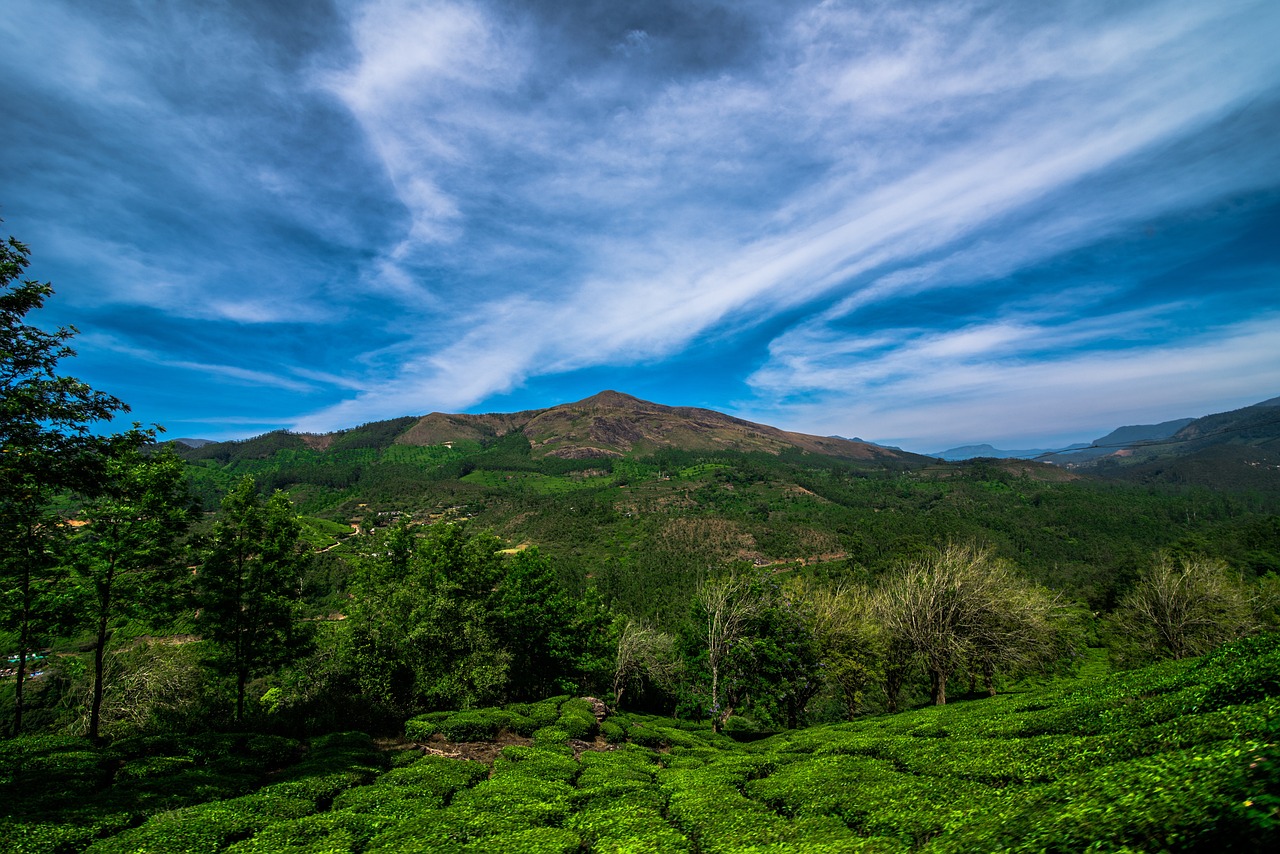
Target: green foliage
<point x="536" y="762"/>
<point x="248" y="583"/>
<point x="477" y="725"/>
<point x="550" y="736"/>
<point x="1175" y="757"/>
<point x="49" y="448"/>
<point x="577" y="719"/>
<point x="127" y="556"/>
<point x="422" y="727"/>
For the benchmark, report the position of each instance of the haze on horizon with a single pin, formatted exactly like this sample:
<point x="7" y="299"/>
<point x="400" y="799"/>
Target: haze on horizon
<point x="927" y="224"/>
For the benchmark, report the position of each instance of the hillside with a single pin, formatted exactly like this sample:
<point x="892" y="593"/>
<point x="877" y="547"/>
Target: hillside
<point x="608" y="424"/>
<point x="1180" y="756"/>
<point x="1237" y="450"/>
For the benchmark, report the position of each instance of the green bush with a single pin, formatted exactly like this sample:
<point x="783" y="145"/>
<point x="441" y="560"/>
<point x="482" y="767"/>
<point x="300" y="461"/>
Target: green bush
<point x="577" y="719"/>
<point x="510" y="802"/>
<point x="330" y="833"/>
<point x="536" y="762"/>
<point x="206" y="827"/>
<point x="434" y="777"/>
<point x="476" y="725"/>
<point x="550" y="736"/>
<point x="545" y="712"/>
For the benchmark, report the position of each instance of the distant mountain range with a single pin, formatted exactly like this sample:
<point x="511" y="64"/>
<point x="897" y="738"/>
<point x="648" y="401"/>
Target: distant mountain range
<point x="1118" y="438"/>
<point x="971" y="452"/>
<point x="1234" y="450"/>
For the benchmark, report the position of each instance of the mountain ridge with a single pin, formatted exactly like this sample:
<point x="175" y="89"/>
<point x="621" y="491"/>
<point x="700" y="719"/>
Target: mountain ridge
<point x="609" y="424"/>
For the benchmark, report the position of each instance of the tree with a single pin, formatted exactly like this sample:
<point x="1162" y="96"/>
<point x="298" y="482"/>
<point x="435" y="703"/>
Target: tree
<point x="48" y="448"/>
<point x="960" y="605"/>
<point x="1022" y="627"/>
<point x="249" y="582"/>
<point x="643" y="653"/>
<point x="785" y="668"/>
<point x="540" y="626"/>
<point x="423" y="623"/>
<point x="726" y="604"/>
<point x="1182" y="608"/>
<point x="126" y="555"/>
<point x="851" y="640"/>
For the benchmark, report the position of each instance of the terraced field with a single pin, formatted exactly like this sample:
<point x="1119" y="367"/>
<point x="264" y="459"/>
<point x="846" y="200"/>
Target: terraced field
<point x="1180" y="756"/>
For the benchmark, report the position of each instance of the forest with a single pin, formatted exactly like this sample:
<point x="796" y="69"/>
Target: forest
<point x="265" y="646"/>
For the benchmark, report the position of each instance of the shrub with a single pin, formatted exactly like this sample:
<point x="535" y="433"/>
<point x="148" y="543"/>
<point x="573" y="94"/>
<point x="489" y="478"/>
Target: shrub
<point x="550" y="736"/>
<point x="435" y="777"/>
<point x="329" y="832"/>
<point x="422" y="727"/>
<point x="510" y="802"/>
<point x="536" y="762"/>
<point x="477" y="725"/>
<point x="577" y="719"/>
<point x="612" y="732"/>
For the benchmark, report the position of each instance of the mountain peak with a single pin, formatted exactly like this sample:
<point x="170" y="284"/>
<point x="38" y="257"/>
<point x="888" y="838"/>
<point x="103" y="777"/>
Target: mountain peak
<point x="611" y="399"/>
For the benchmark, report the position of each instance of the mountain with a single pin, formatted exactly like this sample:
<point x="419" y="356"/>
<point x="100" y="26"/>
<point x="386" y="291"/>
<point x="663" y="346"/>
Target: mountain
<point x="1233" y="450"/>
<point x="612" y="424"/>
<point x="969" y="452"/>
<point x="1117" y="440"/>
<point x="608" y="424"/>
<point x="1142" y="432"/>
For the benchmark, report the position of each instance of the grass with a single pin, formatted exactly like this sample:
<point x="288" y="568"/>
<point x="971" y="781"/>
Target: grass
<point x="1180" y="756"/>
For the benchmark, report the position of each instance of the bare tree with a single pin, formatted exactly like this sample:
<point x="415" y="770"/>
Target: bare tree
<point x="728" y="604"/>
<point x="1184" y="608"/>
<point x="1017" y="631"/>
<point x="643" y="653"/>
<point x="961" y="605"/>
<point x="850" y="637"/>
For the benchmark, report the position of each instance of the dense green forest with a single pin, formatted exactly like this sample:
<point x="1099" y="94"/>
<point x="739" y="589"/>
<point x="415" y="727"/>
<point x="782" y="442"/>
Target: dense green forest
<point x="251" y="646"/>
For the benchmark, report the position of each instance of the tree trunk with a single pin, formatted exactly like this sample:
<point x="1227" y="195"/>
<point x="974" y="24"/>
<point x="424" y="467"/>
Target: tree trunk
<point x="241" y="679"/>
<point x="22" y="677"/>
<point x="715" y="699"/>
<point x="938" y="679"/>
<point x="988" y="679"/>
<point x="95" y="708"/>
<point x="99" y="652"/>
<point x="24" y="636"/>
<point x="892" y="688"/>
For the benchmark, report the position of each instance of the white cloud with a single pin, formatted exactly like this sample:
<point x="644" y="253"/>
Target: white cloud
<point x="996" y="391"/>
<point x="234" y="373"/>
<point x="1036" y="107"/>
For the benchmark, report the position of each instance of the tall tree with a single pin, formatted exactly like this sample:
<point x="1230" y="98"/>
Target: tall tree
<point x="726" y="607"/>
<point x="47" y="447"/>
<point x="126" y="555"/>
<point x="249" y="582"/>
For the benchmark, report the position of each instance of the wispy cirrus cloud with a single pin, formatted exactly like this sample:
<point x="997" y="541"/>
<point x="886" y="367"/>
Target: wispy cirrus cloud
<point x="404" y="205"/>
<point x="930" y="150"/>
<point x="996" y="383"/>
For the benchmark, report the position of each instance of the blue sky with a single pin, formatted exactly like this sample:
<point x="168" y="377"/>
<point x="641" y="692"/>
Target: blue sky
<point x="922" y="223"/>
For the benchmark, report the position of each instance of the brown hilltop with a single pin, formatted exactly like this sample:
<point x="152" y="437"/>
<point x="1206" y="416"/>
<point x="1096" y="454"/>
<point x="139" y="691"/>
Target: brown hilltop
<point x="611" y="424"/>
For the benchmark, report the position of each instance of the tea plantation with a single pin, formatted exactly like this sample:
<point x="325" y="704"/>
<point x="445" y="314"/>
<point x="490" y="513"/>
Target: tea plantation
<point x="1180" y="756"/>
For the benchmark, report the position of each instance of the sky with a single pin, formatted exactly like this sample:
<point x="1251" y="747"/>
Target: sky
<point x="925" y="224"/>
